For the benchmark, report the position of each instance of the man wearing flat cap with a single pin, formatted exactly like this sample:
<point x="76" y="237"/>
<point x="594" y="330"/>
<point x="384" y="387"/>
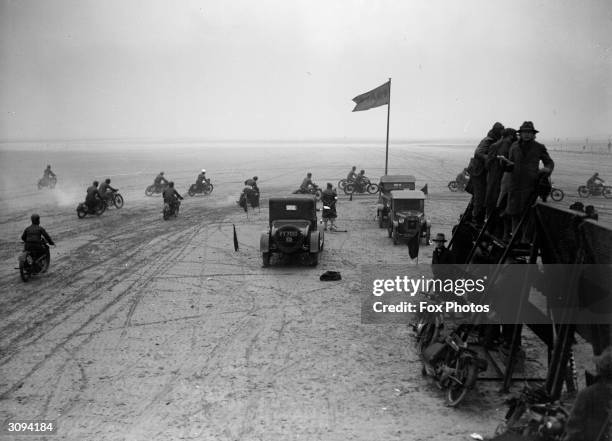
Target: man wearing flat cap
<point x="441" y="256"/>
<point x="523" y="165"/>
<point x="478" y="174"/>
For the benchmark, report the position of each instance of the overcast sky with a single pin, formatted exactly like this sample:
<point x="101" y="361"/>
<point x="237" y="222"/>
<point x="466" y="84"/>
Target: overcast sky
<point x="266" y="69"/>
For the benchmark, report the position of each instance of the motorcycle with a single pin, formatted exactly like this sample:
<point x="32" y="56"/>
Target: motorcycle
<point x="249" y="196"/>
<point x="114" y="198"/>
<point x="455" y="186"/>
<point x="342" y="183"/>
<point x="534" y="415"/>
<point x="28" y="266"/>
<point x="366" y="186"/>
<point x="47" y="182"/>
<point x="599" y="190"/>
<point x="204" y="188"/>
<point x="155" y="189"/>
<point x="446" y="357"/>
<point x="171" y="209"/>
<point x="316" y="191"/>
<point x="83" y="210"/>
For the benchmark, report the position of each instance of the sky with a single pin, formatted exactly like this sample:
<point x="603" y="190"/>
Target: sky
<point x="288" y="69"/>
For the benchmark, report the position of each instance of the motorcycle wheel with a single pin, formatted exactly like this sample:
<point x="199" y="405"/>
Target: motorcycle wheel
<point x="372" y="188"/>
<point x="192" y="190"/>
<point x="81" y="212"/>
<point x="556" y="194"/>
<point x="465" y="373"/>
<point x="167" y="212"/>
<point x="607" y="192"/>
<point x="149" y="190"/>
<point x="349" y="188"/>
<point x="44" y="264"/>
<point x="453" y="186"/>
<point x="208" y="189"/>
<point x="341" y="184"/>
<point x="24" y="272"/>
<point x="118" y="200"/>
<point x="583" y="191"/>
<point x="101" y="208"/>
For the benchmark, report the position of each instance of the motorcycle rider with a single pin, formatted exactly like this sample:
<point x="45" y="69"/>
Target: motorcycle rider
<point x="172" y="197"/>
<point x="105" y="189"/>
<point x="594" y="183"/>
<point x="159" y="180"/>
<point x="93" y="196"/>
<point x="329" y="198"/>
<point x="307" y="183"/>
<point x="361" y="181"/>
<point x="351" y="175"/>
<point x="201" y="179"/>
<point x="48" y="174"/>
<point x="33" y="238"/>
<point x="252" y="182"/>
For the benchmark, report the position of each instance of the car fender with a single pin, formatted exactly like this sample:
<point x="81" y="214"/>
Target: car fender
<point x="264" y="242"/>
<point x="315" y="238"/>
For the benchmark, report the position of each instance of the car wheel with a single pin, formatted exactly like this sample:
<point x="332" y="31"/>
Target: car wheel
<point x="314" y="259"/>
<point x="265" y="258"/>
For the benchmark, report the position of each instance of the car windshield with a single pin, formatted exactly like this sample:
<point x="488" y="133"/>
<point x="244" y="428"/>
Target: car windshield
<point x="408" y="204"/>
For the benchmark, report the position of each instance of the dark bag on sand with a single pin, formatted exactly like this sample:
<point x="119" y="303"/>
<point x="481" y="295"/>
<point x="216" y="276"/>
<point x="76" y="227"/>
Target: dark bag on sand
<point x="329" y="276"/>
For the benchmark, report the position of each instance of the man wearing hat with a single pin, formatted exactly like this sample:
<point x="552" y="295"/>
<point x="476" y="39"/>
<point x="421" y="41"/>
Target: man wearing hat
<point x="441" y="256"/>
<point x="590" y="416"/>
<point x="34" y="237"/>
<point x="523" y="165"/>
<point x="478" y="174"/>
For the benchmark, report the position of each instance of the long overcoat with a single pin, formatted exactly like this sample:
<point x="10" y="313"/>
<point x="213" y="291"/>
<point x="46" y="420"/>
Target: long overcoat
<point x="523" y="175"/>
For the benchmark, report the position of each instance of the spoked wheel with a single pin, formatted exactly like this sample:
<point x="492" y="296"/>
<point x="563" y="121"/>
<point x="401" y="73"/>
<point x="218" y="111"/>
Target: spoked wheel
<point x="167" y="212"/>
<point x="81" y="212"/>
<point x="349" y="188"/>
<point x="192" y="190"/>
<point x="461" y="382"/>
<point x="556" y="194"/>
<point x="208" y="189"/>
<point x="149" y="190"/>
<point x="584" y="191"/>
<point x="372" y="188"/>
<point x="118" y="200"/>
<point x="607" y="192"/>
<point x="342" y="183"/>
<point x="453" y="186"/>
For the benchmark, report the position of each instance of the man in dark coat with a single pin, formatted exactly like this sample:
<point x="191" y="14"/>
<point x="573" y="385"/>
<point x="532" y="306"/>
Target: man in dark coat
<point x="441" y="256"/>
<point x="478" y="174"/>
<point x="93" y="196"/>
<point x="523" y="164"/>
<point x="33" y="238"/>
<point x="171" y="196"/>
<point x="495" y="167"/>
<point x="329" y="198"/>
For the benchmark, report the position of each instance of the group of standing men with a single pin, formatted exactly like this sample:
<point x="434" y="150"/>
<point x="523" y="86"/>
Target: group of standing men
<point x="504" y="173"/>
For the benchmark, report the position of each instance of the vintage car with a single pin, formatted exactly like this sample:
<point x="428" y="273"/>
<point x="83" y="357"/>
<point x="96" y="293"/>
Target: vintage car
<point x="407" y="216"/>
<point x="386" y="184"/>
<point x="293" y="229"/>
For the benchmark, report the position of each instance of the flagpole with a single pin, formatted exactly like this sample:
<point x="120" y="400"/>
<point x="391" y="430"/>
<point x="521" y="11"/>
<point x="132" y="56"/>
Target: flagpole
<point x="388" y="113"/>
